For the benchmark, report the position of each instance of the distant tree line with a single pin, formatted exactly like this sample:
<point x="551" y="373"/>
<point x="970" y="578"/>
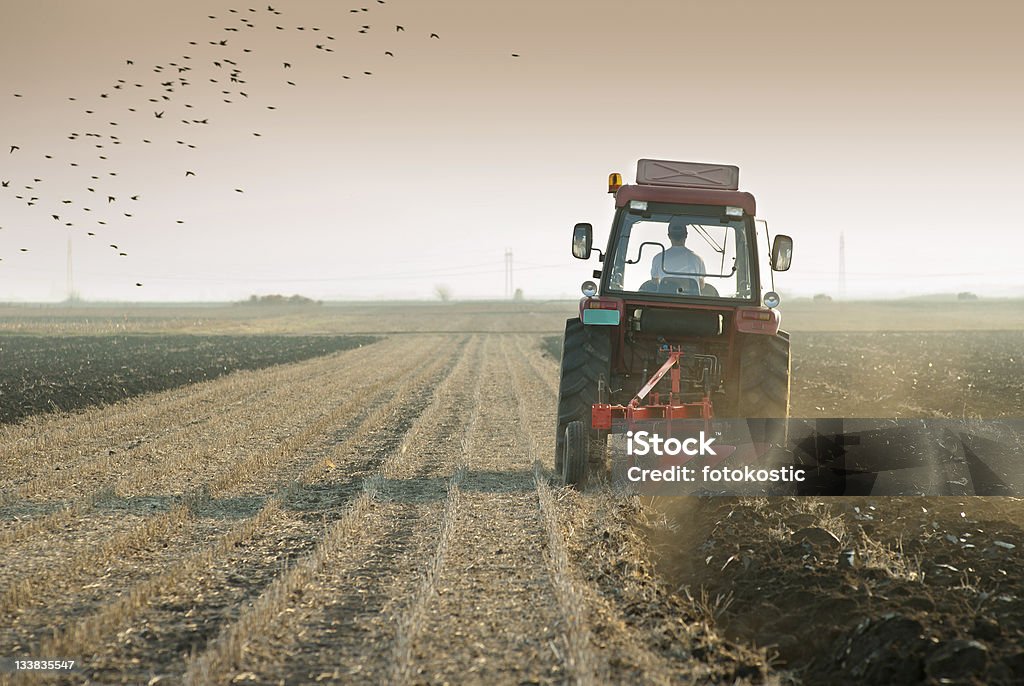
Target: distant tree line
<point x="277" y="299"/>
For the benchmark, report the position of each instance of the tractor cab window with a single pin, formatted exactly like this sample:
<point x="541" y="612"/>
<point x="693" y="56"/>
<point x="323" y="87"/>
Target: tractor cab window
<point x="676" y="253"/>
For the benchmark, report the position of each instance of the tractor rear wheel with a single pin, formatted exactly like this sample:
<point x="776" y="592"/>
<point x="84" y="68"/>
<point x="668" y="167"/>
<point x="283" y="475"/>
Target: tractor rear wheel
<point x="575" y="457"/>
<point x="585" y="365"/>
<point x="764" y="385"/>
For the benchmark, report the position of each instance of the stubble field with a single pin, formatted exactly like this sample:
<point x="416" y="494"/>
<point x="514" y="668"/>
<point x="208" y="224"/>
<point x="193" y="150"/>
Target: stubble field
<point x="383" y="513"/>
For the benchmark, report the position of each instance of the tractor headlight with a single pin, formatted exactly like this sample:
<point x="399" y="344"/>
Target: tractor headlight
<point x="772" y="299"/>
<point x="589" y="289"/>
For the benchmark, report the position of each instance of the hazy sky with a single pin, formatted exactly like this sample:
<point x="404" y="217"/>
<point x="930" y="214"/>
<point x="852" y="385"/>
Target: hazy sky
<point x="895" y="123"/>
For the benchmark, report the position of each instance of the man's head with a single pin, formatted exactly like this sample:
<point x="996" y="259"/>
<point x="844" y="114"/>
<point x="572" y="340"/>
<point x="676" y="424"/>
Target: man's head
<point x="677" y="231"/>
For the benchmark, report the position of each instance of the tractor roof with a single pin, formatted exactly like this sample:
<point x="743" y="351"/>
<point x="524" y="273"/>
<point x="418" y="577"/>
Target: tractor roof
<point x="689" y="183"/>
<point x="686" y="196"/>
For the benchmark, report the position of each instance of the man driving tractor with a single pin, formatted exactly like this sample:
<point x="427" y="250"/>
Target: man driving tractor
<point x="678" y="260"/>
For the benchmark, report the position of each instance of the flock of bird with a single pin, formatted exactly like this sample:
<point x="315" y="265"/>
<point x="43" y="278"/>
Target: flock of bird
<point x="155" y="98"/>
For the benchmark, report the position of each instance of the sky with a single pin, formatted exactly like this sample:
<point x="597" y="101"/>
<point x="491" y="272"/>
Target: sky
<point x="893" y="124"/>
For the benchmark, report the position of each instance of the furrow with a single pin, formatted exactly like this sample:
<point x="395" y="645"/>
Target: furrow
<point x="33" y="582"/>
<point x="347" y="567"/>
<point x="246" y="540"/>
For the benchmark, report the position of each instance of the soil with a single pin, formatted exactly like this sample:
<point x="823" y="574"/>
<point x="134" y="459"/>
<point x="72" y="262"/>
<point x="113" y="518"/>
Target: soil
<point x="387" y="514"/>
<point x="861" y="590"/>
<point x="61" y="373"/>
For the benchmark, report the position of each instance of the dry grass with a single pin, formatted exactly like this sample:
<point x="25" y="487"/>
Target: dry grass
<point x="81" y="637"/>
<point x="225" y="656"/>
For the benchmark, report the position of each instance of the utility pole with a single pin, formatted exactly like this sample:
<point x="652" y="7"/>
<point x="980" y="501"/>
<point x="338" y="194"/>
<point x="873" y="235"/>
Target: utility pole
<point x="509" y="285"/>
<point x="842" y="266"/>
<point x="70" y="279"/>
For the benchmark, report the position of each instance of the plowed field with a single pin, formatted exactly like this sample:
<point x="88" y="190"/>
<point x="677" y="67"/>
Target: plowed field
<point x="385" y="514"/>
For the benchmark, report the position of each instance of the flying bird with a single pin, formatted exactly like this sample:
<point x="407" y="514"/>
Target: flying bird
<point x="515" y="55"/>
<point x="5" y="184"/>
<point x="13" y="148"/>
<point x="389" y="53"/>
<point x="434" y="35"/>
<point x="190" y="173"/>
<point x="110" y="199"/>
<point x="113" y="246"/>
<point x="399" y="28"/>
<point x="158" y="115"/>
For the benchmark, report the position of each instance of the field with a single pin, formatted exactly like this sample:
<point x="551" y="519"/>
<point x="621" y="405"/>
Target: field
<point x="383" y="512"/>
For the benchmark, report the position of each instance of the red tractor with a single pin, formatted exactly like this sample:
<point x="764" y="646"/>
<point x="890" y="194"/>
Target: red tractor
<point x="682" y="321"/>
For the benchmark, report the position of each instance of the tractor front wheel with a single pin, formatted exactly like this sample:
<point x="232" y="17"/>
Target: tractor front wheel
<point x="575" y="456"/>
<point x="585" y="365"/>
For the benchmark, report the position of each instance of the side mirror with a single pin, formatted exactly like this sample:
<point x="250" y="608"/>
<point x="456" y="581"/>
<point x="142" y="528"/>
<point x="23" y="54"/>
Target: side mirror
<point x="782" y="253"/>
<point x="582" y="240"/>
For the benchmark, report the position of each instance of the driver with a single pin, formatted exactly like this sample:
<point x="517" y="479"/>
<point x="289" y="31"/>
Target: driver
<point x="678" y="259"/>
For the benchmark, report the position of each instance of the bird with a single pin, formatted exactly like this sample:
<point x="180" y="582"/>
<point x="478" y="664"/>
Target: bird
<point x="158" y="115"/>
<point x="129" y="62"/>
<point x="90" y="233"/>
<point x="238" y="190"/>
<point x="5" y="184"/>
<point x="389" y="53"/>
<point x="434" y="35"/>
<point x="56" y="218"/>
<point x="110" y="199"/>
<point x="190" y="173"/>
<point x="137" y="283"/>
<point x="113" y="246"/>
<point x="515" y="55"/>
<point x="399" y="28"/>
<point x="13" y="148"/>
<point x="135" y="197"/>
<point x="123" y="254"/>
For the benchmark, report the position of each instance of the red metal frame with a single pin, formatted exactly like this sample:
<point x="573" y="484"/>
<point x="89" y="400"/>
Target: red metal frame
<point x="603" y="415"/>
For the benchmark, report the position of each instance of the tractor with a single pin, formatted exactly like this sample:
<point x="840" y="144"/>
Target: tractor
<point x="681" y="319"/>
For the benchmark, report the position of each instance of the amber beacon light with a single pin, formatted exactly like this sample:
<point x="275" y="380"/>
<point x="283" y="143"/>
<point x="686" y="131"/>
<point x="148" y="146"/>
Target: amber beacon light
<point x="614" y="182"/>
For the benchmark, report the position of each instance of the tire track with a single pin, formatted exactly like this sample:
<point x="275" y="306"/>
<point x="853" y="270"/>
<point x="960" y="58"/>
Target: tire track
<point x="493" y="614"/>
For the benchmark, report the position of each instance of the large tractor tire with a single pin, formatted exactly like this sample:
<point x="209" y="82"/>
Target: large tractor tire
<point x="764" y="385"/>
<point x="585" y="365"/>
<point x="576" y="455"/>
